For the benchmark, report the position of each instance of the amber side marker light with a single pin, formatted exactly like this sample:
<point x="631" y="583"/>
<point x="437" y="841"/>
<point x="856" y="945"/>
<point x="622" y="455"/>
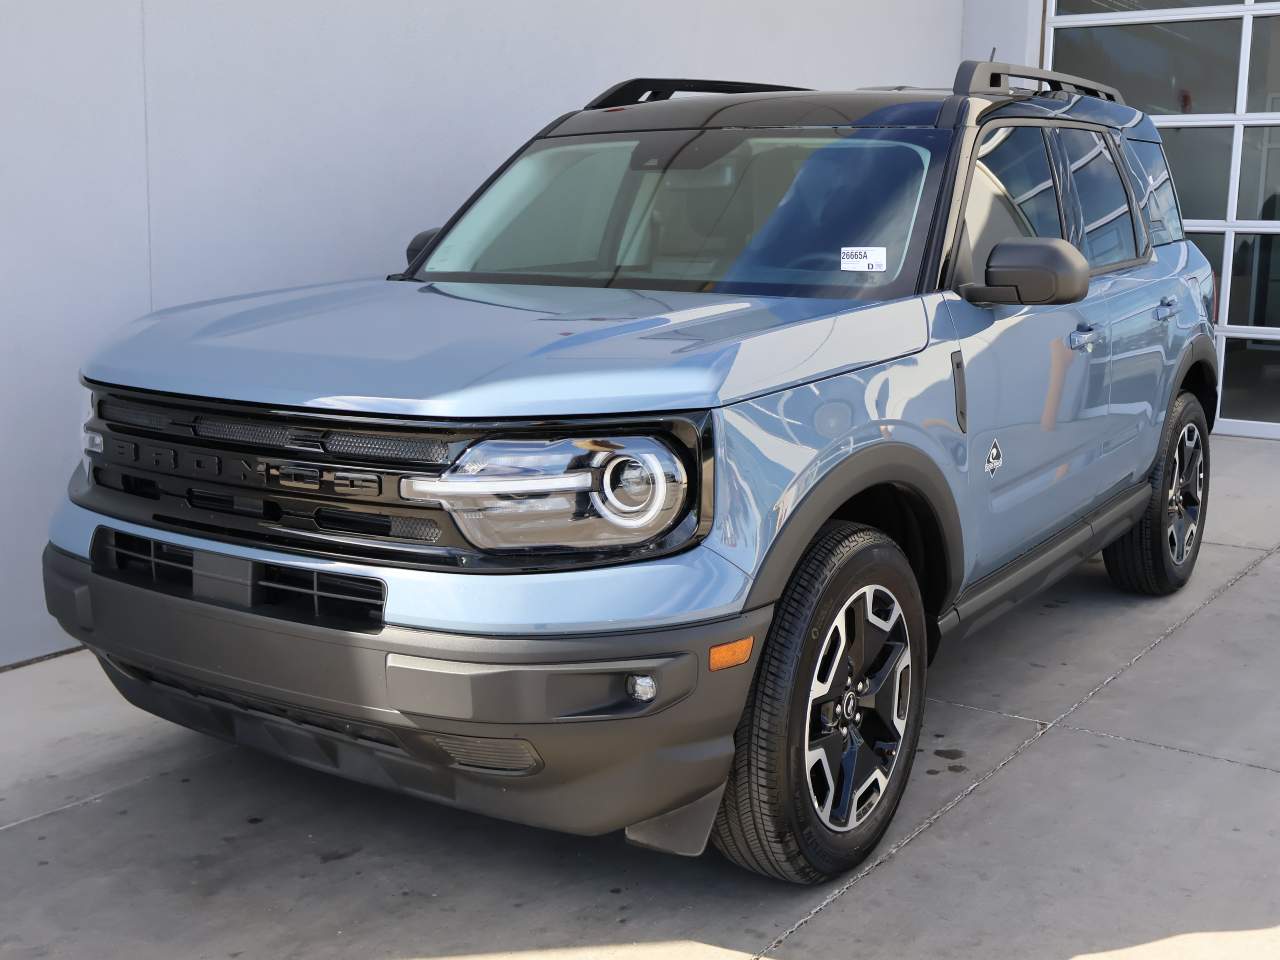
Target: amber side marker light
<point x="731" y="654"/>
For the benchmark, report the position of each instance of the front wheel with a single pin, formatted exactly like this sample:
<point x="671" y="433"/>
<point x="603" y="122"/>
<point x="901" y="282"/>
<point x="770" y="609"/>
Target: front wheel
<point x="1159" y="554"/>
<point x="829" y="733"/>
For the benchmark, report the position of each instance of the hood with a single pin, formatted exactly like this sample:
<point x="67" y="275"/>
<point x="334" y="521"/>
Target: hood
<point x="479" y="351"/>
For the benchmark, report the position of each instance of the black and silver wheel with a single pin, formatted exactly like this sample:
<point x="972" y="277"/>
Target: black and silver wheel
<point x="858" y="701"/>
<point x="1186" y="494"/>
<point x="1159" y="554"/>
<point x="828" y="736"/>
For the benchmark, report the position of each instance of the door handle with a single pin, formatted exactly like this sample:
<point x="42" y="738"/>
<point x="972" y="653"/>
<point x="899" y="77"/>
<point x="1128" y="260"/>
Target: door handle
<point x="1167" y="309"/>
<point x="1086" y="338"/>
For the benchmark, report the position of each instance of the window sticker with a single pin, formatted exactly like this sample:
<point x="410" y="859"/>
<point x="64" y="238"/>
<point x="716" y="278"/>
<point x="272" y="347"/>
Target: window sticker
<point x="864" y="259"/>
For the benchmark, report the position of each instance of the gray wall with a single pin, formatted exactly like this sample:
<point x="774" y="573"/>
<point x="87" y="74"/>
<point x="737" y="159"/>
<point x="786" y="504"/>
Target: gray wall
<point x="159" y="151"/>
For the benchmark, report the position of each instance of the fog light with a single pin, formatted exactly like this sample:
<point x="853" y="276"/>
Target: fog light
<point x="641" y="687"/>
<point x="92" y="442"/>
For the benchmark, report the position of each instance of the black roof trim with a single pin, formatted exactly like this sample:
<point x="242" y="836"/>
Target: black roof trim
<point x="649" y="89"/>
<point x="979" y="77"/>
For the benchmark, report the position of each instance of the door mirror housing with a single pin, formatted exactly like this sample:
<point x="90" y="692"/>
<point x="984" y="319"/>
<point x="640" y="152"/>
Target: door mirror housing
<point x="1030" y="271"/>
<point x="419" y="243"/>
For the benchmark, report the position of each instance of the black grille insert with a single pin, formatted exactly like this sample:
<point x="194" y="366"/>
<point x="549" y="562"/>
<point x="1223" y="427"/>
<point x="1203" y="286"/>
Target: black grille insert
<point x="310" y="594"/>
<point x="336" y="600"/>
<point x="140" y="558"/>
<point x="248" y="434"/>
<point x="367" y="447"/>
<point x="281" y="436"/>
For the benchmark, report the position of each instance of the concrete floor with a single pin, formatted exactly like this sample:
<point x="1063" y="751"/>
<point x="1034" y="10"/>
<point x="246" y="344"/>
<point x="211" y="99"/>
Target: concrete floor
<point x="1100" y="774"/>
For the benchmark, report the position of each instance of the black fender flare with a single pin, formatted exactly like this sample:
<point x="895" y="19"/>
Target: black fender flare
<point x="883" y="462"/>
<point x="1200" y="349"/>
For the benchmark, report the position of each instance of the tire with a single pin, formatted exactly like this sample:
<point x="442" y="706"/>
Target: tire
<point x="785" y="813"/>
<point x="1148" y="559"/>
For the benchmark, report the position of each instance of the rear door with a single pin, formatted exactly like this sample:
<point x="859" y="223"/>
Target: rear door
<point x="1142" y="371"/>
<point x="1037" y="407"/>
<point x="1124" y="299"/>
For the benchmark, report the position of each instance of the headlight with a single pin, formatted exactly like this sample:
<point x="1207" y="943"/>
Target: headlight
<point x="561" y="494"/>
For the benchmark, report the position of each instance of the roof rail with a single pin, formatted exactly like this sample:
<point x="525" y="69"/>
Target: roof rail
<point x="979" y="77"/>
<point x="648" y="89"/>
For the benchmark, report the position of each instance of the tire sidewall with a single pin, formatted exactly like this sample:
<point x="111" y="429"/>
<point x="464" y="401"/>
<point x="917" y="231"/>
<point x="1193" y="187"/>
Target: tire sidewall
<point x="883" y="564"/>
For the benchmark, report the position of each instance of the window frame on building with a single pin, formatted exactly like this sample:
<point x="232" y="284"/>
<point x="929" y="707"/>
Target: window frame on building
<point x="1238" y="121"/>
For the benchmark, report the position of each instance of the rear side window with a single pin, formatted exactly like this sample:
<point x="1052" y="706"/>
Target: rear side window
<point x="1109" y="237"/>
<point x="1154" y="188"/>
<point x="1011" y="194"/>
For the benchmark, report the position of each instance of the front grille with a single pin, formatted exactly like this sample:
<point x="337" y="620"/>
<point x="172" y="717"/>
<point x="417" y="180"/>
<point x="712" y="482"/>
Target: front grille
<point x="308" y="481"/>
<point x="335" y="600"/>
<point x="357" y="445"/>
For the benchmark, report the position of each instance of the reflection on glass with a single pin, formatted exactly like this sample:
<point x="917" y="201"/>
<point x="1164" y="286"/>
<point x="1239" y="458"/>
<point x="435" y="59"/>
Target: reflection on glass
<point x="1251" y="380"/>
<point x="1153" y="187"/>
<point x="1212" y="246"/>
<point x="1111" y="6"/>
<point x="1011" y="194"/>
<point x="1259" y="197"/>
<point x="1161" y="68"/>
<point x="1264" y="66"/>
<point x="1255" y="281"/>
<point x="1200" y="158"/>
<point x="1108" y="221"/>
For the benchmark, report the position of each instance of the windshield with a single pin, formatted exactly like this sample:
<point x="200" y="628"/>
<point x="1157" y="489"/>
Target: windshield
<point x="807" y="212"/>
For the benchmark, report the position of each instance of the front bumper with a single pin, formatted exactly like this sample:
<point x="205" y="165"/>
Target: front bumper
<point x="537" y="730"/>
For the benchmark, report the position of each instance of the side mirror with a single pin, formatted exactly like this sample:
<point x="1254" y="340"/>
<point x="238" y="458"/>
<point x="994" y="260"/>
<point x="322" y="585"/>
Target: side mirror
<point x="1032" y="270"/>
<point x="419" y="243"/>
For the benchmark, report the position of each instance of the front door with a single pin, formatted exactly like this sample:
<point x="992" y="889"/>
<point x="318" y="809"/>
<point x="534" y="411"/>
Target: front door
<point x="1038" y="390"/>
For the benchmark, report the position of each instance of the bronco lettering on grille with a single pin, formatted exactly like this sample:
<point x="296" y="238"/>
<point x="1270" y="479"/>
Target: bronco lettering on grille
<point x="200" y="464"/>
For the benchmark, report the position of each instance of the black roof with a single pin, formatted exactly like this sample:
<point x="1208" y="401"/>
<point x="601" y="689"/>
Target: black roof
<point x="650" y="104"/>
<point x="880" y="108"/>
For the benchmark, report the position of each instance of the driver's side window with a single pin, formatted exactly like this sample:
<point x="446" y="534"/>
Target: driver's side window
<point x="1011" y="194"/>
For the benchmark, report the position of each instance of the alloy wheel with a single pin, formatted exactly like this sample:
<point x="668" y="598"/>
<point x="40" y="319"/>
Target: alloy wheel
<point x="1186" y="494"/>
<point x="857" y="710"/>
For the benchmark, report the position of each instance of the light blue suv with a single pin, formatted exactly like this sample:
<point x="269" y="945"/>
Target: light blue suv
<point x="642" y="498"/>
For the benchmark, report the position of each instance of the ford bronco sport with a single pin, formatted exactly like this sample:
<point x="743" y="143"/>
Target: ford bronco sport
<point x="641" y="499"/>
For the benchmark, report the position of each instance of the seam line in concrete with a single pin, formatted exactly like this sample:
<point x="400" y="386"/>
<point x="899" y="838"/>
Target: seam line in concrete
<point x="1017" y="751"/>
<point x="1235" y="546"/>
<point x="1168" y="746"/>
<point x="990" y="710"/>
<point x="94" y="798"/>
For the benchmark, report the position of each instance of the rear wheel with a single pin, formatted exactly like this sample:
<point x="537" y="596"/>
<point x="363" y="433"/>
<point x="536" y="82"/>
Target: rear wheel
<point x="1159" y="554"/>
<point x="829" y="733"/>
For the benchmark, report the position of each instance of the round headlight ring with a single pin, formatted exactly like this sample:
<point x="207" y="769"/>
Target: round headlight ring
<point x="613" y="509"/>
<point x="615" y="479"/>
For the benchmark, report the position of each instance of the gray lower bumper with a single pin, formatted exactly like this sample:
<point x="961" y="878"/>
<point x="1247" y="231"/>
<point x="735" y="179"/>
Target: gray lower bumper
<point x="536" y="730"/>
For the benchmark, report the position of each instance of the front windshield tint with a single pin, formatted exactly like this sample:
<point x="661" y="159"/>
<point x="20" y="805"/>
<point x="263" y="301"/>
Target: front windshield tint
<point x="809" y="212"/>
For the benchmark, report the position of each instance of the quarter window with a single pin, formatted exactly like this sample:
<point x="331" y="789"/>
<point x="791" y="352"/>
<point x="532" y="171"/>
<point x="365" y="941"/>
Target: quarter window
<point x="1108" y="231"/>
<point x="1155" y="194"/>
<point x="1011" y="194"/>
